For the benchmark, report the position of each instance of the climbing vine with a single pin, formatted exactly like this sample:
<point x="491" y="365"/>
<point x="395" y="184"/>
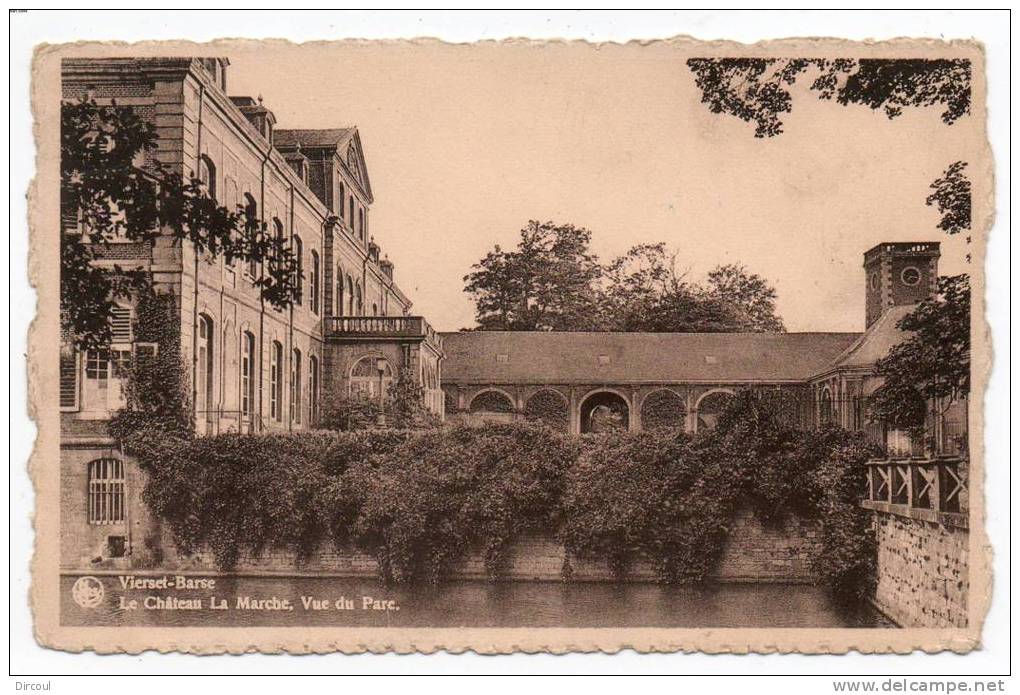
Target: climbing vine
<point x="157" y="407"/>
<point x="421" y="502"/>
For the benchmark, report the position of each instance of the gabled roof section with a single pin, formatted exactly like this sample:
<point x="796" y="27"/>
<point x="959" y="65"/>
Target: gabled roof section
<point x="876" y="342"/>
<point x="345" y="142"/>
<point x="587" y="358"/>
<point x="329" y="137"/>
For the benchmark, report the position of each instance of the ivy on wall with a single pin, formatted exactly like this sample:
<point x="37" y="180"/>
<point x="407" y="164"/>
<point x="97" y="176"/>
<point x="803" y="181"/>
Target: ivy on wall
<point x="156" y="379"/>
<point x="421" y="501"/>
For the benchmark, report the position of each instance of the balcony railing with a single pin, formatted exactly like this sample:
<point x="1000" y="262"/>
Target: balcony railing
<point x="935" y="484"/>
<point x="382" y="327"/>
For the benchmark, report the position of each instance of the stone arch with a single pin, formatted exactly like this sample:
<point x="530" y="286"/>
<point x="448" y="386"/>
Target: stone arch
<point x="709" y="405"/>
<point x="491" y="400"/>
<point x="364" y="379"/>
<point x="605" y="410"/>
<point x="663" y="408"/>
<point x="550" y="407"/>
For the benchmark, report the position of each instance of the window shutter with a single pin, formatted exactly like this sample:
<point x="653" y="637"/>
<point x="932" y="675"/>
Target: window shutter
<point x="120" y="324"/>
<point x="68" y="214"/>
<point x="68" y="380"/>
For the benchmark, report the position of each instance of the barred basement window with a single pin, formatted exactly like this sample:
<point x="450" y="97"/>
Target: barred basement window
<point x="106" y="491"/>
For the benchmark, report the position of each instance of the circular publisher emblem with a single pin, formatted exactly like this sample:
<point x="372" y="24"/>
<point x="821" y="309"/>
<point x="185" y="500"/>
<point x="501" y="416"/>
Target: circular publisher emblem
<point x="88" y="592"/>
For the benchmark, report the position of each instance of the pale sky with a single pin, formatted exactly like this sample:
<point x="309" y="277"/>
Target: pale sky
<point x="465" y="144"/>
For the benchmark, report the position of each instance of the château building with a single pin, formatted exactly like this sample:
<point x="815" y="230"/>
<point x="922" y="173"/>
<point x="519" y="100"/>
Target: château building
<point x="352" y="331"/>
<point x="253" y="368"/>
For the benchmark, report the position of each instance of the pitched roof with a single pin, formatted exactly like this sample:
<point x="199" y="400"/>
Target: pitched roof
<point x="327" y="137"/>
<point x="560" y="357"/>
<point x="876" y="342"/>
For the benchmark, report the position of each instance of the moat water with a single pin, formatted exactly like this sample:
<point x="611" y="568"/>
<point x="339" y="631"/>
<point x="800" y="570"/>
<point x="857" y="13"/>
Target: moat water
<point x="330" y="601"/>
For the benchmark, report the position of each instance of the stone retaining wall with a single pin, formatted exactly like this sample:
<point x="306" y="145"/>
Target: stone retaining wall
<point x="753" y="553"/>
<point x="923" y="577"/>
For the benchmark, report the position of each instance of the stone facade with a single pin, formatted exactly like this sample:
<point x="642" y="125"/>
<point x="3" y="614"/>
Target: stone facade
<point x="251" y="367"/>
<point x="923" y="571"/>
<point x="753" y="553"/>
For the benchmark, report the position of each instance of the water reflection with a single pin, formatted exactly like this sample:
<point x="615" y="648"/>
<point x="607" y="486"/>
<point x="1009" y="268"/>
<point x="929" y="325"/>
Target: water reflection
<point x="341" y="601"/>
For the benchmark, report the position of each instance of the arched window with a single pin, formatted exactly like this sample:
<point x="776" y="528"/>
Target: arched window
<point x="229" y="365"/>
<point x="368" y="380"/>
<point x="251" y="213"/>
<point x="277" y="229"/>
<point x="340" y="291"/>
<point x="358" y="305"/>
<point x="350" y="296"/>
<point x="247" y="374"/>
<point x="298" y="249"/>
<point x="341" y="198"/>
<point x="276" y="381"/>
<point x="313" y="390"/>
<point x="361" y="223"/>
<point x="106" y="491"/>
<point x="350" y="221"/>
<point x="313" y="283"/>
<point x="207" y="175"/>
<point x="825" y="412"/>
<point x="375" y="309"/>
<point x="204" y="369"/>
<point x="295" y="387"/>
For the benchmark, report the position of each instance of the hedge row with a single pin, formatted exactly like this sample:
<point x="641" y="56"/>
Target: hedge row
<point x="420" y="501"/>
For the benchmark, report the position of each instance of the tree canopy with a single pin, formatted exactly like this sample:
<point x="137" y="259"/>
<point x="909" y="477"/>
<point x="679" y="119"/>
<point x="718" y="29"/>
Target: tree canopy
<point x="758" y="90"/>
<point x="552" y="281"/>
<point x="113" y="189"/>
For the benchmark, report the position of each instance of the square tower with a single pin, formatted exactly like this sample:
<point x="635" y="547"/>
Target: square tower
<point x="899" y="273"/>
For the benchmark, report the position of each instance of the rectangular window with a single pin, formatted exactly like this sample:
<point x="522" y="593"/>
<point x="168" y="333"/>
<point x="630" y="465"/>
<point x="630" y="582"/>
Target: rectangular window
<point x="106" y="491"/>
<point x="69" y="367"/>
<point x="97" y="365"/>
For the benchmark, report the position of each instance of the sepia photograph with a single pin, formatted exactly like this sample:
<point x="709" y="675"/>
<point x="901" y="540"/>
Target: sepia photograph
<point x="512" y="345"/>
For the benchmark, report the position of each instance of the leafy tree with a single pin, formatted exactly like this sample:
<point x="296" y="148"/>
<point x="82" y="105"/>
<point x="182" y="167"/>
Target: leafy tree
<point x="545" y="284"/>
<point x="758" y="90"/>
<point x="750" y="292"/>
<point x="691" y="309"/>
<point x="930" y="370"/>
<point x="952" y="197"/>
<point x="112" y="187"/>
<point x="568" y="290"/>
